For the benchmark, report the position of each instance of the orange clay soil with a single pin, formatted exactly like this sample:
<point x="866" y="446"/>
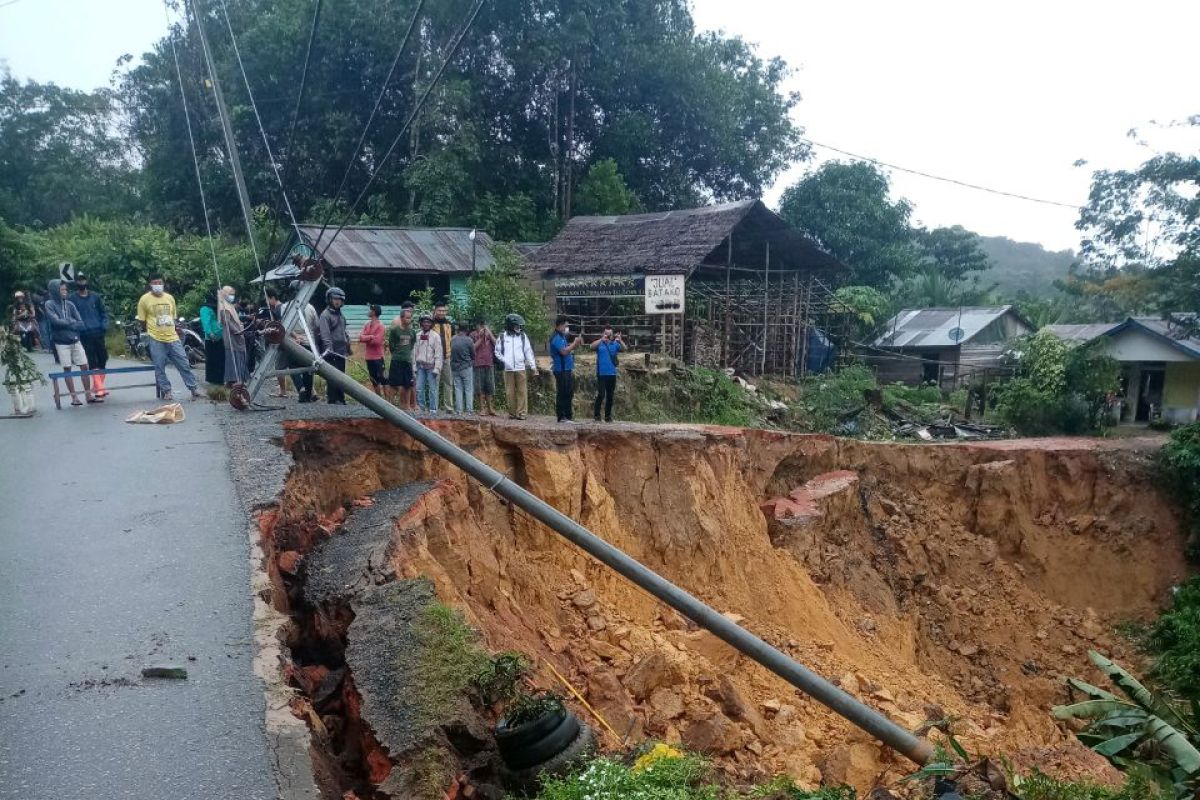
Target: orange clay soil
<point x="931" y="581"/>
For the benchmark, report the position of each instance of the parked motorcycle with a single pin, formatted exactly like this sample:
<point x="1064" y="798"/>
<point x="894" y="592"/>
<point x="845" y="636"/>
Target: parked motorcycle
<point x="137" y="341"/>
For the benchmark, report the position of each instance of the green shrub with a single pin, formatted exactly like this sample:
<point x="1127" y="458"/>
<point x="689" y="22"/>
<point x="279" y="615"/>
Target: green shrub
<point x="1179" y="463"/>
<point x="825" y="400"/>
<point x="1138" y="786"/>
<point x="606" y="779"/>
<point x="1058" y="388"/>
<point x="1175" y="639"/>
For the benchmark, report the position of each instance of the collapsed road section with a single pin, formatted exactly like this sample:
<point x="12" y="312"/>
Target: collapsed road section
<point x="938" y="582"/>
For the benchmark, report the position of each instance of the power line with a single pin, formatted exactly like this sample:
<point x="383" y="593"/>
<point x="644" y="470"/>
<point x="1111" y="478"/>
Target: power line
<point x="965" y="184"/>
<point x="9" y="3"/>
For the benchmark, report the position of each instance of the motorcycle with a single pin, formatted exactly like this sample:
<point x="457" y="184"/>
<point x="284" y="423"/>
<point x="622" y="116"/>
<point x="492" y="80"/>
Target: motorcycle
<point x="137" y="341"/>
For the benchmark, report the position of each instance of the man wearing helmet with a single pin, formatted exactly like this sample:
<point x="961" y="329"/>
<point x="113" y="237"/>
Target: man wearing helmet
<point x="514" y="351"/>
<point x="335" y="339"/>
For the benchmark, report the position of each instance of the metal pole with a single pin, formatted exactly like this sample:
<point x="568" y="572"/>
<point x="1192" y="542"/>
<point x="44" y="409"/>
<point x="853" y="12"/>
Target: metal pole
<point x="766" y="304"/>
<point x="865" y="717"/>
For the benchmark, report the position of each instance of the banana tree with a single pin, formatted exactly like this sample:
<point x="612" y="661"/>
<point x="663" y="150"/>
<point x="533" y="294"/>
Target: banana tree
<point x="1140" y="728"/>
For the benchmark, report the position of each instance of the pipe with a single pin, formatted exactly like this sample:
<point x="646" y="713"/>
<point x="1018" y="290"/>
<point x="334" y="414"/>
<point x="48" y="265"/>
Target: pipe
<point x="838" y="701"/>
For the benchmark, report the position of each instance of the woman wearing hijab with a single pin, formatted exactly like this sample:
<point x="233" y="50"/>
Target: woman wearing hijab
<point x="214" y="348"/>
<point x="235" y="337"/>
<point x="24" y="321"/>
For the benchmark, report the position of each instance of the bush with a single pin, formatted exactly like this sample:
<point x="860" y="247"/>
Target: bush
<point x="1058" y="388"/>
<point x="1179" y="463"/>
<point x="826" y="400"/>
<point x="1138" y="786"/>
<point x="495" y="293"/>
<point x="1175" y="639"/>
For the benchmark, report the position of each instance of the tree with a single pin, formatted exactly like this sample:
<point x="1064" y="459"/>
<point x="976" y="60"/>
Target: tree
<point x="847" y="208"/>
<point x="603" y="191"/>
<point x="58" y="155"/>
<point x="954" y="252"/>
<point x="536" y="94"/>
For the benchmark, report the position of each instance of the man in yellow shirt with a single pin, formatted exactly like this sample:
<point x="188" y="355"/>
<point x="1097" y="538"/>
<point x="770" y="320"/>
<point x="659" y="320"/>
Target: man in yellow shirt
<point x="156" y="312"/>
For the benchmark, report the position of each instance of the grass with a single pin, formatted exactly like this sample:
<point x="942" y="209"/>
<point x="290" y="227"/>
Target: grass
<point x="1038" y="786"/>
<point x="450" y="660"/>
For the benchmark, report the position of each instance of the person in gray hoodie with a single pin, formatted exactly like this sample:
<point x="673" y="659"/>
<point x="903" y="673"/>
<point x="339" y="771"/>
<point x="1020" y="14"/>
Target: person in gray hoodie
<point x="335" y="339"/>
<point x="65" y="325"/>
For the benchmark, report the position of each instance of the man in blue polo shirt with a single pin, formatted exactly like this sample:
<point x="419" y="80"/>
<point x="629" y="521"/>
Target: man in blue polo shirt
<point x="562" y="362"/>
<point x="606" y="347"/>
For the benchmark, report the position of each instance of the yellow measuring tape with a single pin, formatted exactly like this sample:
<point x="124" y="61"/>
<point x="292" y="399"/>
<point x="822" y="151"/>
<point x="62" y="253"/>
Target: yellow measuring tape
<point x="586" y="705"/>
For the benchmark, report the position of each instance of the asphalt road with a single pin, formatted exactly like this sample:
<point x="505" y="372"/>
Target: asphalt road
<point x="121" y="547"/>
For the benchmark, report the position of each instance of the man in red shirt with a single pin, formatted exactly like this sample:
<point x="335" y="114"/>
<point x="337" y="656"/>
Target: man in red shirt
<point x="485" y="366"/>
<point x="372" y="337"/>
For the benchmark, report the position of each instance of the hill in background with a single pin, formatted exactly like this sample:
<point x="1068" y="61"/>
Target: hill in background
<point x="1024" y="266"/>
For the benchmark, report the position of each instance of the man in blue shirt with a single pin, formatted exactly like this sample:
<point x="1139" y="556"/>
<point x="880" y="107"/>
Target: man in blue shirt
<point x="606" y="347"/>
<point x="562" y="362"/>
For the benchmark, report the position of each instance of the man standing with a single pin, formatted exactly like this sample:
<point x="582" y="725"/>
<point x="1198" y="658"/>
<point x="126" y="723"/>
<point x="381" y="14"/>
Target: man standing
<point x="65" y="325"/>
<point x="372" y="337"/>
<point x="462" y="363"/>
<point x="274" y="313"/>
<point x="606" y="347"/>
<point x="445" y="331"/>
<point x="427" y="358"/>
<point x="156" y="312"/>
<point x="516" y="354"/>
<point x="562" y="362"/>
<point x="485" y="366"/>
<point x="400" y="373"/>
<point x="304" y="380"/>
<point x="90" y="306"/>
<point x="335" y="340"/>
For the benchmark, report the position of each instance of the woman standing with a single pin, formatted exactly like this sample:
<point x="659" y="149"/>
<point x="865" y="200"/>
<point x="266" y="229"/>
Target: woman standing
<point x="214" y="349"/>
<point x="234" y="334"/>
<point x="24" y="321"/>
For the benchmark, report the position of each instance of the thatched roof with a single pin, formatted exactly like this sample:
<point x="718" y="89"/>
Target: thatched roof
<point x="675" y="242"/>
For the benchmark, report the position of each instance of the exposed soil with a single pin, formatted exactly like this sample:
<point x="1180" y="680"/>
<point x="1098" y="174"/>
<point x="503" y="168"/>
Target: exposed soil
<point x="960" y="581"/>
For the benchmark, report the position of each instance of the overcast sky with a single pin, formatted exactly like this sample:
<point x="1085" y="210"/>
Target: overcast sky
<point x="1005" y="95"/>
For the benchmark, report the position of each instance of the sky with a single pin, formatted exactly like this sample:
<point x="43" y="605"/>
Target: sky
<point x="1003" y="95"/>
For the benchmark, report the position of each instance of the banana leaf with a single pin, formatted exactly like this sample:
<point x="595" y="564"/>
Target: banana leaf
<point x="1117" y="744"/>
<point x="1094" y="709"/>
<point x="1094" y="692"/>
<point x="1138" y="693"/>
<point x="1175" y="744"/>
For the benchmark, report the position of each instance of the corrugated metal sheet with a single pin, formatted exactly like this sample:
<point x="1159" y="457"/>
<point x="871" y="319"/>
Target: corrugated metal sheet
<point x="1081" y="333"/>
<point x="932" y="327"/>
<point x="416" y="250"/>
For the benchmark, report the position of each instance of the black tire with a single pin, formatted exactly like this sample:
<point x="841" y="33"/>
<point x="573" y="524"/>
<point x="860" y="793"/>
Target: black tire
<point x="546" y="748"/>
<point x="519" y="736"/>
<point x="528" y="779"/>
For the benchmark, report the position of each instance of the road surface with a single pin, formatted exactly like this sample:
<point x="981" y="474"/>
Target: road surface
<point x="122" y="547"/>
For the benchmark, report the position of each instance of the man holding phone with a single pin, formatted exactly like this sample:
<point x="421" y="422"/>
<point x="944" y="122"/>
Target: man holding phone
<point x="607" y="347"/>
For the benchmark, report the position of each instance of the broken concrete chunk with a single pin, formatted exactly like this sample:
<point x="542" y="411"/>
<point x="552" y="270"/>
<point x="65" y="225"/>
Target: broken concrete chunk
<point x="172" y="672"/>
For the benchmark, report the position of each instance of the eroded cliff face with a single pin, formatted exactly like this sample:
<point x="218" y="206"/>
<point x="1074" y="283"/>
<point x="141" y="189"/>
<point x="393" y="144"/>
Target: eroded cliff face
<point x="930" y="581"/>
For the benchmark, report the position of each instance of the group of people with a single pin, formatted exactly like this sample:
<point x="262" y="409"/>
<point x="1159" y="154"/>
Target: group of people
<point x="436" y="363"/>
<point x="431" y="363"/>
<point x="70" y="321"/>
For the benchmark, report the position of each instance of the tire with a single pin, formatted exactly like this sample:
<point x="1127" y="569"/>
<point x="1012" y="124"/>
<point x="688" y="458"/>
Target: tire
<point x="528" y="779"/>
<point x="546" y="748"/>
<point x="513" y="739"/>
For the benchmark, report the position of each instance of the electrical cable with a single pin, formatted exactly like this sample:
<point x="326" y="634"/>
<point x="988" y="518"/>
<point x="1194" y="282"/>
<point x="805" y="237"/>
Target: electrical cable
<point x="287" y="146"/>
<point x="187" y="116"/>
<point x="456" y="43"/>
<point x="412" y="23"/>
<point x="258" y="119"/>
<point x="965" y="184"/>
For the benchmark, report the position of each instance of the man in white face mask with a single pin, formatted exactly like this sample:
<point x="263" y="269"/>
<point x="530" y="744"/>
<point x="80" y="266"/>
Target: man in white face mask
<point x="156" y="312"/>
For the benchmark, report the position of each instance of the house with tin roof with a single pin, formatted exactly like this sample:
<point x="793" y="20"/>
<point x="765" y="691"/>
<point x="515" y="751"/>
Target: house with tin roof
<point x="947" y="346"/>
<point x="1160" y="363"/>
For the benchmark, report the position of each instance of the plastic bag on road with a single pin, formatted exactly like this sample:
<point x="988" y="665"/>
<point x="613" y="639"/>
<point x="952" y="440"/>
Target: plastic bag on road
<point x="171" y="412"/>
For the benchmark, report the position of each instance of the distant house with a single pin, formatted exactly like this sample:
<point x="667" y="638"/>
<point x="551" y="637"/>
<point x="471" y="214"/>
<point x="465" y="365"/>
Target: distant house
<point x="378" y="264"/>
<point x="946" y="346"/>
<point x="1160" y="363"/>
<point x="754" y="286"/>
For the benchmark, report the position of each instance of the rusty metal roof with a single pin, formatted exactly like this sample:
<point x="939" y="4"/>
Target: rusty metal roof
<point x="416" y="250"/>
<point x="938" y="327"/>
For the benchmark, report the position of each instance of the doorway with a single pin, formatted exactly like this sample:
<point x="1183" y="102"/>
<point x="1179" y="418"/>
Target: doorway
<point x="1150" y="393"/>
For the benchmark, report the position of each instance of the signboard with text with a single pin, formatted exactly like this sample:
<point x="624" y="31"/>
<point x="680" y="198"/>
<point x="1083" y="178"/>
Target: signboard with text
<point x="664" y="294"/>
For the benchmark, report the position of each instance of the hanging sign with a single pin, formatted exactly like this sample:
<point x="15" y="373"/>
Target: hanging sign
<point x="66" y="271"/>
<point x="664" y="294"/>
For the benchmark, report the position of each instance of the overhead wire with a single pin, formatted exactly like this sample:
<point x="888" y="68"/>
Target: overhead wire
<point x="955" y="181"/>
<point x="370" y="120"/>
<point x="287" y="145"/>
<point x="453" y="50"/>
<point x="187" y="116"/>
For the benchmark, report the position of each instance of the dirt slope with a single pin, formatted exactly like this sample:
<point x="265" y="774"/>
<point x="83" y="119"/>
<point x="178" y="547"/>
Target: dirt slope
<point x="931" y="581"/>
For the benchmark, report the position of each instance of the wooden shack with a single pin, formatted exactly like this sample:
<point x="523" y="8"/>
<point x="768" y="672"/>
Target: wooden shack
<point x="756" y="289"/>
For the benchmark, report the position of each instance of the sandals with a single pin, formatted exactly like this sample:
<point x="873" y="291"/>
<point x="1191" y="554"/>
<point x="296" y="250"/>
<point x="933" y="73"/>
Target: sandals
<point x="75" y="401"/>
<point x="95" y="399"/>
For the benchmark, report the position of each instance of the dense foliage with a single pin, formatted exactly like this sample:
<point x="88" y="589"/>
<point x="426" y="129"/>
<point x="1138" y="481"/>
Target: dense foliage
<point x="1058" y="387"/>
<point x="1180" y="463"/>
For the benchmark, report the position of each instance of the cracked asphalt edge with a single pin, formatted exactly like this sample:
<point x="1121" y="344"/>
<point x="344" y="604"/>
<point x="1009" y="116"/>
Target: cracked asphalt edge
<point x="259" y="465"/>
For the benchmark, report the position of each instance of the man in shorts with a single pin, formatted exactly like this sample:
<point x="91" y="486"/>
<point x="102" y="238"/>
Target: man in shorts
<point x="65" y="325"/>
<point x="400" y="373"/>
